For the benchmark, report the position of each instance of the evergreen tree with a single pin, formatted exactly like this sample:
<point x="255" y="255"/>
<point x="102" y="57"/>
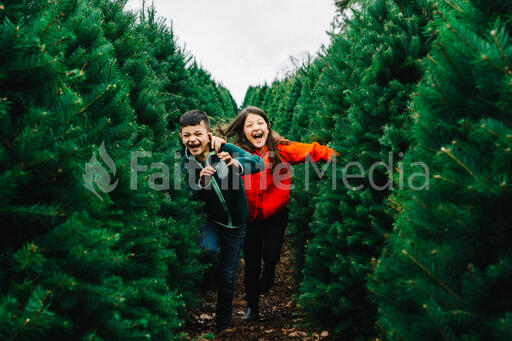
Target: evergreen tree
<point x="306" y="126"/>
<point x="167" y="62"/>
<point x="86" y="256"/>
<point x="249" y="96"/>
<point x="229" y="106"/>
<point x="446" y="270"/>
<point x="304" y="108"/>
<point x="370" y="75"/>
<point x="255" y="96"/>
<point x="208" y="98"/>
<point x="270" y="103"/>
<point x="284" y="105"/>
<point x="168" y="231"/>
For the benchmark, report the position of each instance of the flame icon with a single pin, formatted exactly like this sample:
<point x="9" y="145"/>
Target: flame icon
<point x="96" y="173"/>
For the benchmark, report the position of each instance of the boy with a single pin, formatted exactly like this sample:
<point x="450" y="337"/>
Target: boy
<point x="215" y="179"/>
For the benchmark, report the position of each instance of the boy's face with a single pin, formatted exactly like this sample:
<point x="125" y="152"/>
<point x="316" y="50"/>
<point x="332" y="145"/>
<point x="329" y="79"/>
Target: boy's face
<point x="196" y="139"/>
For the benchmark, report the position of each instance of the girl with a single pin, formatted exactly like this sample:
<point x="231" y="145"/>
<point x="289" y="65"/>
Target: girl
<point x="268" y="194"/>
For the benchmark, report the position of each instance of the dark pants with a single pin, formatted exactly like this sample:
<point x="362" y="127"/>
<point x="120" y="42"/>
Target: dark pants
<point x="263" y="240"/>
<point x="223" y="263"/>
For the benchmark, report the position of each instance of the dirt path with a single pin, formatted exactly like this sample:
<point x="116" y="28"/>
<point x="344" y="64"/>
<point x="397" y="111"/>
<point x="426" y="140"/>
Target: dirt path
<point x="280" y="318"/>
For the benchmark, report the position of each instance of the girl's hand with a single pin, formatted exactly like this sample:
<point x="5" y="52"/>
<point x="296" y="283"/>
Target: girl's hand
<point x="216" y="142"/>
<point x="205" y="174"/>
<point x="227" y="158"/>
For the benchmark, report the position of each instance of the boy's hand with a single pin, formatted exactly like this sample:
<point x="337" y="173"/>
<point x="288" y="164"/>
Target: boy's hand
<point x="216" y="142"/>
<point x="205" y="174"/>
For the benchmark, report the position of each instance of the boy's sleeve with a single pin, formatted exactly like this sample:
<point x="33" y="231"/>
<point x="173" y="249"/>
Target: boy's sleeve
<point x="296" y="152"/>
<point x="250" y="163"/>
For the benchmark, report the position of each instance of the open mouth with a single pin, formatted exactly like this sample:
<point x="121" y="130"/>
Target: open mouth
<point x="258" y="137"/>
<point x="193" y="147"/>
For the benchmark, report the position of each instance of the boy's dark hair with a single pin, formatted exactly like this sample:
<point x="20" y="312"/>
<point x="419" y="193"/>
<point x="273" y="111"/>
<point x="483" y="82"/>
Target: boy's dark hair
<point x="194" y="118"/>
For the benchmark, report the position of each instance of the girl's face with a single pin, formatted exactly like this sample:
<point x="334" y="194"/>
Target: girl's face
<point x="256" y="131"/>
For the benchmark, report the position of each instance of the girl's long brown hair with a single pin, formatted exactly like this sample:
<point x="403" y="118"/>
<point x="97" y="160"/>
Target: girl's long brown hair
<point x="235" y="130"/>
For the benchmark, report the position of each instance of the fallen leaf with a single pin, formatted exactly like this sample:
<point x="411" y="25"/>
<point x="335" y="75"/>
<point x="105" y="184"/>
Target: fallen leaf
<point x="268" y="331"/>
<point x="286" y="331"/>
<point x="206" y="317"/>
<point x="298" y="334"/>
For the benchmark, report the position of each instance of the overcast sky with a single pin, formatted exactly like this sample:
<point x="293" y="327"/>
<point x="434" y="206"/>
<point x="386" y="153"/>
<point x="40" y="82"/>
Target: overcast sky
<point x="246" y="42"/>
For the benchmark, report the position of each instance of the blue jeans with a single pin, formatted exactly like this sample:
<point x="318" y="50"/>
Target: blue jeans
<point x="224" y="262"/>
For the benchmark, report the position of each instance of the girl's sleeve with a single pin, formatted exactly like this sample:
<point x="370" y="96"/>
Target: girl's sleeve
<point x="250" y="163"/>
<point x="296" y="152"/>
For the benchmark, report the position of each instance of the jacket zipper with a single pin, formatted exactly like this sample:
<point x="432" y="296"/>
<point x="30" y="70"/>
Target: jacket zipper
<point x="219" y="195"/>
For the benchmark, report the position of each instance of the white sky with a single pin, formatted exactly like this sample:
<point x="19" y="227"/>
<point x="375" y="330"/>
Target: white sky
<point x="246" y="42"/>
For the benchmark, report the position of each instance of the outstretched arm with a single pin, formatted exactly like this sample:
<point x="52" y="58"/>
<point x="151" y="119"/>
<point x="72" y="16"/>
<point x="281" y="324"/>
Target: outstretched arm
<point x="296" y="152"/>
<point x="248" y="162"/>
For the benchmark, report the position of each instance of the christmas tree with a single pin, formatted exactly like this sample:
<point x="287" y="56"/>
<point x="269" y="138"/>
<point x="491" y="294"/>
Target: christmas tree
<point x="92" y="250"/>
<point x="372" y="72"/>
<point x="446" y="269"/>
<point x="255" y="96"/>
<point x="306" y="126"/>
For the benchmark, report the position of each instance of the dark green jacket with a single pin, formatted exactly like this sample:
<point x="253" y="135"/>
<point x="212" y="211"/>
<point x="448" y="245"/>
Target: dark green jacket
<point x="224" y="195"/>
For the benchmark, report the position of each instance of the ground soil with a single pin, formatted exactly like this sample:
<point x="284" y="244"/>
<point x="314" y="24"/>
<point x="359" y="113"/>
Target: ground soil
<point x="280" y="317"/>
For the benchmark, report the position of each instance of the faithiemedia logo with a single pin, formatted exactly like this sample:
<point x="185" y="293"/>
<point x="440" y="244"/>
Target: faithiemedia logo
<point x="352" y="176"/>
<point x="96" y="177"/>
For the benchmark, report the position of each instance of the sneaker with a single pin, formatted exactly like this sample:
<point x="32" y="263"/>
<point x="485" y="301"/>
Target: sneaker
<point x="225" y="327"/>
<point x="251" y="314"/>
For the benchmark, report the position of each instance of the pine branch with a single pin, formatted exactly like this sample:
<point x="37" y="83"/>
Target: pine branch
<point x="428" y="293"/>
<point x="502" y="53"/>
<point x="36" y="210"/>
<point x="42" y="305"/>
<point x="439" y="177"/>
<point x="457" y="8"/>
<point x="447" y="57"/>
<point x="31" y="67"/>
<point x="396" y="206"/>
<point x="15" y="336"/>
<point x="109" y="86"/>
<point x="431" y="275"/>
<point x="431" y="59"/>
<point x="429" y="313"/>
<point x="434" y="84"/>
<point x="391" y="319"/>
<point x="57" y="19"/>
<point x="453" y="157"/>
<point x="507" y="71"/>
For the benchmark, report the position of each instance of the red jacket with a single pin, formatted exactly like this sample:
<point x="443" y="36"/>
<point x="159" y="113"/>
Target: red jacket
<point x="268" y="194"/>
